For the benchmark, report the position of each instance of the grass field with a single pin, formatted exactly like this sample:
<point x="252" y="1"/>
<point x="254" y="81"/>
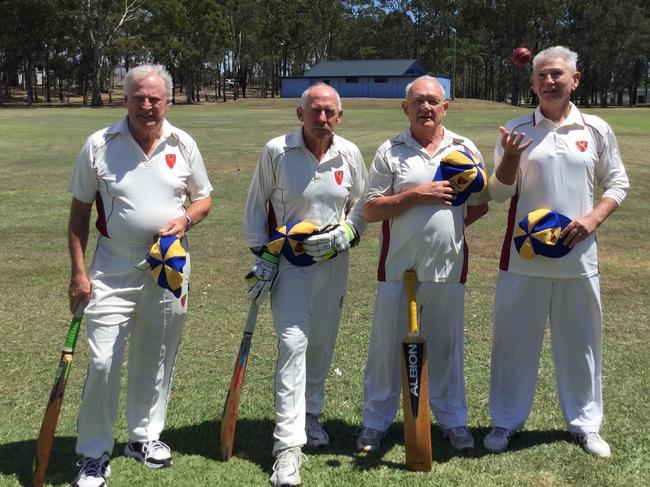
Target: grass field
<point x="37" y="149"/>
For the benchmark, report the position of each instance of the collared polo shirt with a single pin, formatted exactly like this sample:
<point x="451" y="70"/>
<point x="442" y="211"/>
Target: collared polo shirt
<point x="427" y="238"/>
<point x="136" y="195"/>
<point x="559" y="171"/>
<point x="290" y="185"/>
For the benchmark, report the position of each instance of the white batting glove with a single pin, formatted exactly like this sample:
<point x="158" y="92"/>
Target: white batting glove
<point x="323" y="246"/>
<point x="261" y="276"/>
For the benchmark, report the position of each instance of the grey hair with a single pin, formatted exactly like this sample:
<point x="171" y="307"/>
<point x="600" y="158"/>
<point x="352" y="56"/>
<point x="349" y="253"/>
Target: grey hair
<point x="428" y="78"/>
<point x="569" y="57"/>
<point x="306" y="93"/>
<point x="144" y="71"/>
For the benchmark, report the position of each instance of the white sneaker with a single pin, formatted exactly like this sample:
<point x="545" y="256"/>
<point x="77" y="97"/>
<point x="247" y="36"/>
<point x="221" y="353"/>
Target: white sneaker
<point x="497" y="440"/>
<point x="316" y="436"/>
<point x="369" y="440"/>
<point x="154" y="453"/>
<point x="93" y="472"/>
<point x="459" y="438"/>
<point x="286" y="469"/>
<point x="592" y="443"/>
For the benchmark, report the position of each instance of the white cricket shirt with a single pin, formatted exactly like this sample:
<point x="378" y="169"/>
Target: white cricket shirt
<point x="559" y="172"/>
<point x="136" y="195"/>
<point x="290" y="185"/>
<point x="427" y="238"/>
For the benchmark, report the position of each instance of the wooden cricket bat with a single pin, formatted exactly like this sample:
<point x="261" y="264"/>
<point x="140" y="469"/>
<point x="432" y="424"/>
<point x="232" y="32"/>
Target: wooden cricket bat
<point x="415" y="388"/>
<point x="48" y="426"/>
<point x="231" y="408"/>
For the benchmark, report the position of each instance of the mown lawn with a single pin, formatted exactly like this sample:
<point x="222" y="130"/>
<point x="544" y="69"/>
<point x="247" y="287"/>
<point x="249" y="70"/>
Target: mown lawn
<point x="36" y="154"/>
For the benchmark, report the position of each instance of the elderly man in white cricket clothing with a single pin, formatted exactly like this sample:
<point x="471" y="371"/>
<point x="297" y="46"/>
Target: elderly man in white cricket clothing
<point x="548" y="164"/>
<point x="423" y="223"/>
<point x="139" y="173"/>
<point x="310" y="180"/>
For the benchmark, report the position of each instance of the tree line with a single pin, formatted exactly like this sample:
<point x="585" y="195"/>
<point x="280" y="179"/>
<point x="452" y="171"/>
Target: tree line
<point x="50" y="49"/>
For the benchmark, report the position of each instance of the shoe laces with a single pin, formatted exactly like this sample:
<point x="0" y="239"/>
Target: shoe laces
<point x="149" y="448"/>
<point x="585" y="437"/>
<point x="502" y="432"/>
<point x="287" y="456"/>
<point x="459" y="431"/>
<point x="314" y="427"/>
<point x="92" y="467"/>
<point x="370" y="434"/>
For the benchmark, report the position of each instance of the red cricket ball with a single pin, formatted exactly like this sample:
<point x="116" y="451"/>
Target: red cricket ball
<point x="521" y="56"/>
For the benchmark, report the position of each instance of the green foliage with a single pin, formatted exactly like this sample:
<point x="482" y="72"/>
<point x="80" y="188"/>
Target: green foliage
<point x="257" y="42"/>
<point x="38" y="149"/>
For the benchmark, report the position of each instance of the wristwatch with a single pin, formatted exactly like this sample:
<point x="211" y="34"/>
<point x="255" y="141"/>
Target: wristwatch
<point x="189" y="221"/>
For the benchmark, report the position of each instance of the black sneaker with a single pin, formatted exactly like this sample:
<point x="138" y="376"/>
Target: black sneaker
<point x="154" y="453"/>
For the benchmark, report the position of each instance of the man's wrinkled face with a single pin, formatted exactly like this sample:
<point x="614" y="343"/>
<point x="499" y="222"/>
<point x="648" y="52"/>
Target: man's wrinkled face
<point x="425" y="104"/>
<point x="552" y="81"/>
<point x="320" y="113"/>
<point x="147" y="105"/>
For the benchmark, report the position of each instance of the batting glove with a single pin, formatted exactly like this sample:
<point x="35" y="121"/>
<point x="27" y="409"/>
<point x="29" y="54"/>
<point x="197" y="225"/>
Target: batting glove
<point x="323" y="246"/>
<point x="261" y="276"/>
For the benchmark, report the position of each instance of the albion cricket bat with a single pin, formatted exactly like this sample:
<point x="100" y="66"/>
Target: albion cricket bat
<point x="48" y="426"/>
<point x="415" y="388"/>
<point x="231" y="408"/>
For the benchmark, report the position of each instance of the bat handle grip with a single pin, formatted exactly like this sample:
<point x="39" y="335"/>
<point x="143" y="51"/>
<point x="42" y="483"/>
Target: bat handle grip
<point x="410" y="279"/>
<point x="251" y="317"/>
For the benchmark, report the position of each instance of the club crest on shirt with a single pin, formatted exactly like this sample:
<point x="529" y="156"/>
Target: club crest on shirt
<point x="582" y="145"/>
<point x="338" y="176"/>
<point x="170" y="159"/>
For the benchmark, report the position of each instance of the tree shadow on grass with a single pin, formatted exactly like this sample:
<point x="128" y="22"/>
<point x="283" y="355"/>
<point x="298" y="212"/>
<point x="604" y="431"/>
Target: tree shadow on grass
<point x="254" y="443"/>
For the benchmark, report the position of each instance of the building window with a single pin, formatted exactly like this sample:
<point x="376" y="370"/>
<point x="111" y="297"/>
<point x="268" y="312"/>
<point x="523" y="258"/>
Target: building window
<point x="351" y="80"/>
<point x="381" y="79"/>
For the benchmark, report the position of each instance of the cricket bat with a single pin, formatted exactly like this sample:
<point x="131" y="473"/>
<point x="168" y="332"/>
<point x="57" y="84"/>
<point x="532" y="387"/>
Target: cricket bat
<point x="48" y="426"/>
<point x="415" y="387"/>
<point x="231" y="408"/>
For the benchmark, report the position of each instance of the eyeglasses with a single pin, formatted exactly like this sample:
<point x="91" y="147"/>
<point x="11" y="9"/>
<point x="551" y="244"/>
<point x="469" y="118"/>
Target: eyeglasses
<point x="153" y="100"/>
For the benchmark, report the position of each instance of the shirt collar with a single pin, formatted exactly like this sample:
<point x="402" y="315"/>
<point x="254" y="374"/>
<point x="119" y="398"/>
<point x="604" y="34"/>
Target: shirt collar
<point x="295" y="139"/>
<point x="122" y="127"/>
<point x="574" y="117"/>
<point x="448" y="137"/>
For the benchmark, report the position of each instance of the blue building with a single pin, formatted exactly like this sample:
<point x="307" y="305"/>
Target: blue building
<point x="376" y="78"/>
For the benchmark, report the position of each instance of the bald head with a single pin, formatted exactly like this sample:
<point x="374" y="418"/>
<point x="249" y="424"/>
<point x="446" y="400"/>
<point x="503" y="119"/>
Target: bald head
<point x="319" y="112"/>
<point x="318" y="90"/>
<point x="425" y="107"/>
<point x="425" y="80"/>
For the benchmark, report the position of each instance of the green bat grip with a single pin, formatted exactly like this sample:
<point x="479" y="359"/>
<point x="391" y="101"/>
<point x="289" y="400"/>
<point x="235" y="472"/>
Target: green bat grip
<point x="73" y="331"/>
<point x="73" y="334"/>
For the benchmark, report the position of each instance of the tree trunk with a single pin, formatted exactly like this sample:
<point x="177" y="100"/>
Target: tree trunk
<point x="515" y="87"/>
<point x="48" y="91"/>
<point x="96" y="76"/>
<point x="243" y="80"/>
<point x="223" y="80"/>
<point x="604" y="85"/>
<point x="28" y="82"/>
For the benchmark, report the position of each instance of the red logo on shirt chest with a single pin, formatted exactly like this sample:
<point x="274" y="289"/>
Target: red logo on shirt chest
<point x="582" y="145"/>
<point x="338" y="176"/>
<point x="170" y="159"/>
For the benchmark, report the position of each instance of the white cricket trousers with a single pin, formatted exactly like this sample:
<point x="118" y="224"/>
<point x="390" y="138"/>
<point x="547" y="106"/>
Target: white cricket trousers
<point x="523" y="304"/>
<point x="306" y="304"/>
<point x="126" y="301"/>
<point x="441" y="311"/>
